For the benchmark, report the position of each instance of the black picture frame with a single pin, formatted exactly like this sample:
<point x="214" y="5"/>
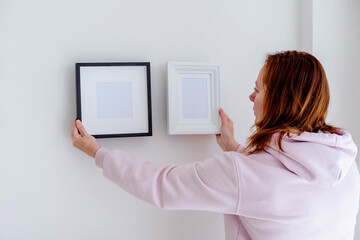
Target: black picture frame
<point x="97" y="67"/>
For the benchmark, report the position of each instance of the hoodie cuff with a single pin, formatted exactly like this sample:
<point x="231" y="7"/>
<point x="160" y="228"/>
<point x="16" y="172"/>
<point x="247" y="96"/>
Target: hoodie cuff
<point x="240" y="149"/>
<point x="99" y="157"/>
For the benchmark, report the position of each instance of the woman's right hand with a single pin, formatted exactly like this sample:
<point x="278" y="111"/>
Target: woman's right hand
<point x="226" y="138"/>
<point x="82" y="140"/>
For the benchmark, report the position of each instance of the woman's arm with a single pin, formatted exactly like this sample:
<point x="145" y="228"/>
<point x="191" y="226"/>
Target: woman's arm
<point x="210" y="185"/>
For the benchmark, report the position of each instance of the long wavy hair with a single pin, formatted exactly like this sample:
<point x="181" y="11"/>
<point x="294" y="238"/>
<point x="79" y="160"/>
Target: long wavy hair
<point x="296" y="99"/>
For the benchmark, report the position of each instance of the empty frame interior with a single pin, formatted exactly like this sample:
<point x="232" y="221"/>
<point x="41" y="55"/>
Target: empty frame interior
<point x="195" y="96"/>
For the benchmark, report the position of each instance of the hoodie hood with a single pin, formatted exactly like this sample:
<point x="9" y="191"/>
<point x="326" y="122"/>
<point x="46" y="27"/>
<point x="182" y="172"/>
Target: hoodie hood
<point x="321" y="158"/>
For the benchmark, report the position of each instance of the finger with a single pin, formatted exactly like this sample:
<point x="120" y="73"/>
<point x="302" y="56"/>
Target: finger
<point x="224" y="117"/>
<point x="221" y="113"/>
<point x="81" y="128"/>
<point x="75" y="131"/>
<point x="228" y="119"/>
<point x="218" y="137"/>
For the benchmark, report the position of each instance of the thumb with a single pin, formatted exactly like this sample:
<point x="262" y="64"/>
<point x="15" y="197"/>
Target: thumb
<point x="81" y="128"/>
<point x="223" y="116"/>
<point x="218" y="139"/>
<point x="75" y="132"/>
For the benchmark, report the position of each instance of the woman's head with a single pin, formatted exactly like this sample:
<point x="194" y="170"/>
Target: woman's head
<point x="293" y="94"/>
<point x="257" y="97"/>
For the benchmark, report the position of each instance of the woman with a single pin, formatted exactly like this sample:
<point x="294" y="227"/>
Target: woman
<point x="296" y="178"/>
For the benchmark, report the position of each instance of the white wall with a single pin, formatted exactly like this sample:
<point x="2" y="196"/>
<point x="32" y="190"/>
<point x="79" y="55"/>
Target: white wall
<point x="336" y="38"/>
<point x="306" y="25"/>
<point x="49" y="190"/>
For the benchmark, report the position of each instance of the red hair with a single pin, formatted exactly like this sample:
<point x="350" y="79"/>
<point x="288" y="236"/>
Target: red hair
<point x="296" y="98"/>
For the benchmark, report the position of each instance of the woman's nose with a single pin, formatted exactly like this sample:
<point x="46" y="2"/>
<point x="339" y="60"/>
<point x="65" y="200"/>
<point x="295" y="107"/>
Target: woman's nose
<point x="252" y="96"/>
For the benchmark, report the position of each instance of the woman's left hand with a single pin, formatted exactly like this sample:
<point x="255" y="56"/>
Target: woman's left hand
<point x="82" y="140"/>
<point x="226" y="138"/>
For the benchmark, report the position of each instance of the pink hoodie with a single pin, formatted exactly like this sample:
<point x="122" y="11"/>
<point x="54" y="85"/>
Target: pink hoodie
<point x="311" y="191"/>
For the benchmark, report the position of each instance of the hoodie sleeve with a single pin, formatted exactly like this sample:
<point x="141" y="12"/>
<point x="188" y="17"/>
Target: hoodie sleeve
<point x="210" y="185"/>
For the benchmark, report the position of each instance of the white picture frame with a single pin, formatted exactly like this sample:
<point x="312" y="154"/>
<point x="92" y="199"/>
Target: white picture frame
<point x="194" y="97"/>
<point x="114" y="99"/>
